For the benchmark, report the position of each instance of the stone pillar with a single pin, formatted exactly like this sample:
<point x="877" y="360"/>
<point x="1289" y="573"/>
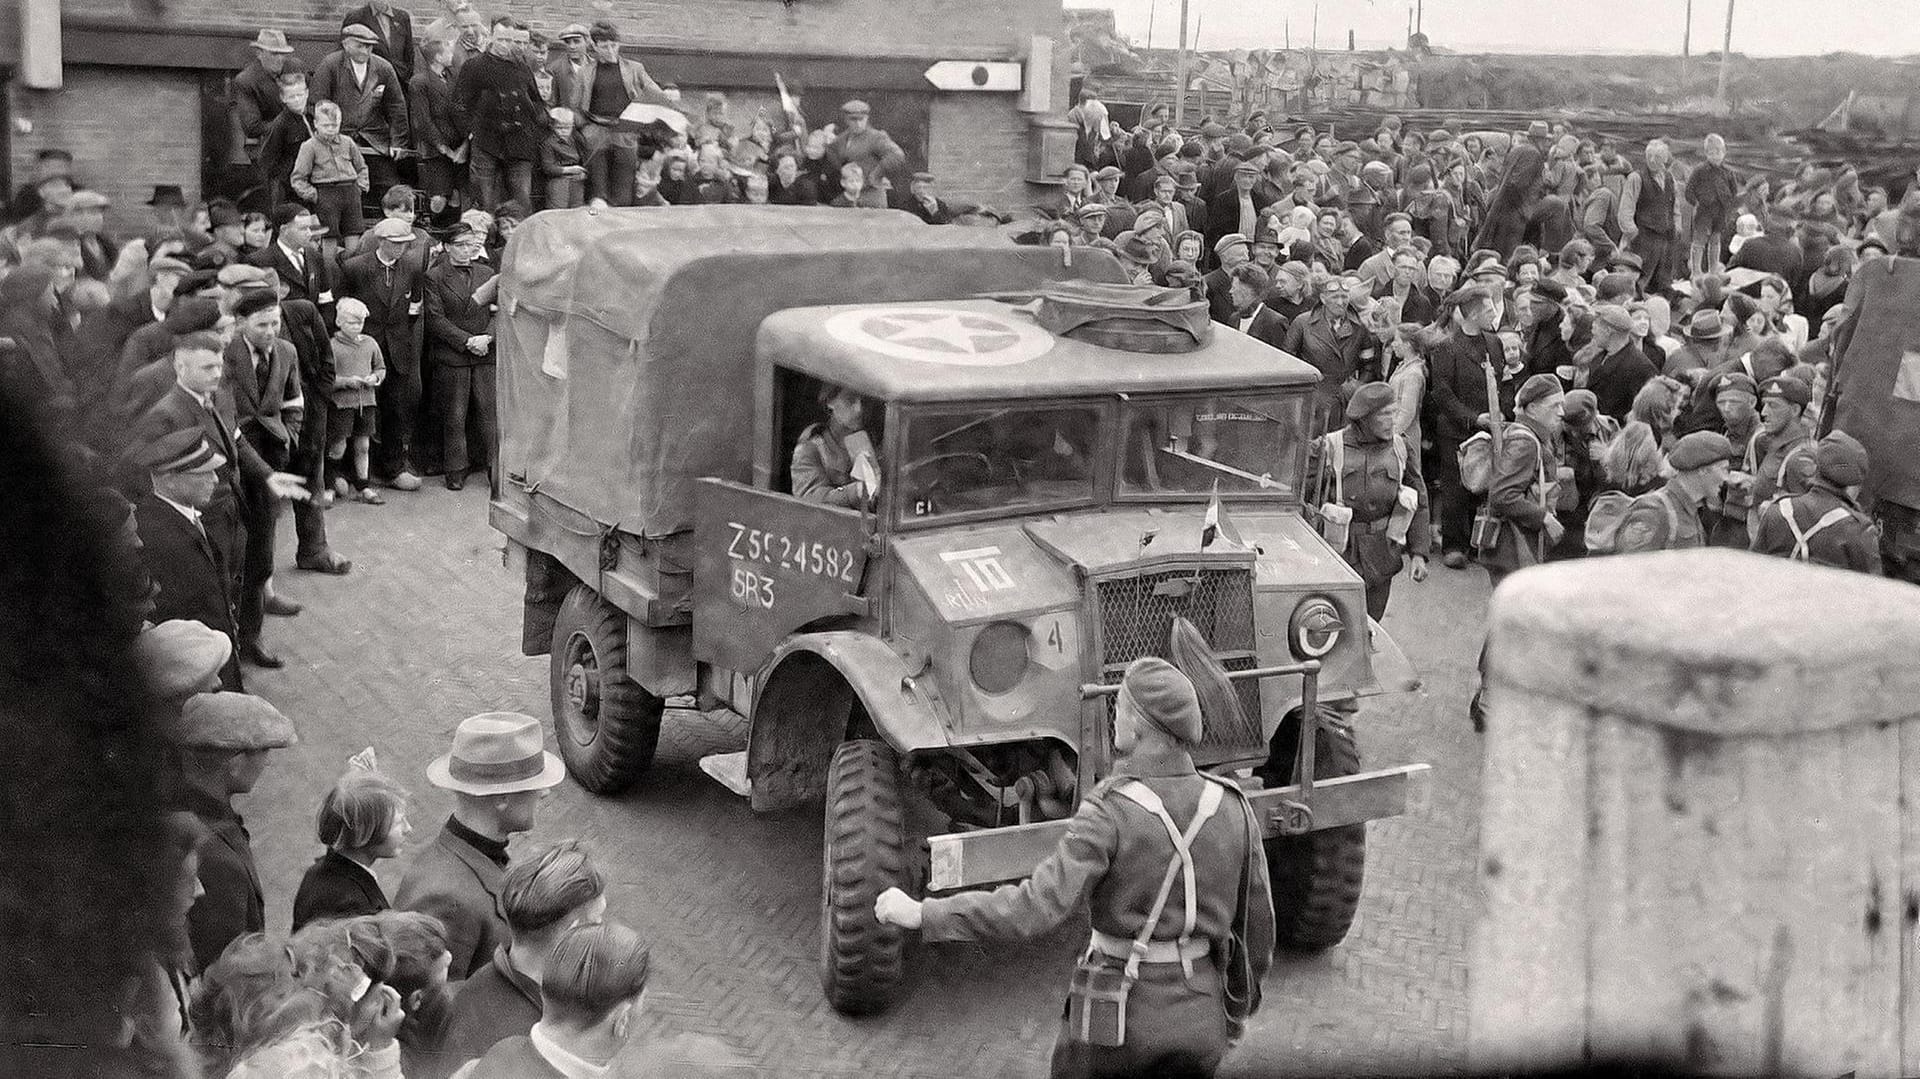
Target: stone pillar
<point x="1700" y="836"/>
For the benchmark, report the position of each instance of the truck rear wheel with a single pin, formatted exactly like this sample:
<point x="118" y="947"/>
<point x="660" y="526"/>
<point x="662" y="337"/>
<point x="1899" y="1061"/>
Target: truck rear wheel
<point x="604" y="722"/>
<point x="864" y="854"/>
<point x="1317" y="877"/>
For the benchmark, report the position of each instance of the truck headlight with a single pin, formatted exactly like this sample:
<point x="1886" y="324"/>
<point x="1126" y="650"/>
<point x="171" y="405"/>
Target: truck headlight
<point x="999" y="658"/>
<point x="1315" y="628"/>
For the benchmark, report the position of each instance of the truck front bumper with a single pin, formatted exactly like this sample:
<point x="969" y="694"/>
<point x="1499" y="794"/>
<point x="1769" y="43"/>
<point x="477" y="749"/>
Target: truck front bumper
<point x="993" y="855"/>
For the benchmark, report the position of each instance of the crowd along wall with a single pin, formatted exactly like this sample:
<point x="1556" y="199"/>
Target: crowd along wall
<point x="168" y="59"/>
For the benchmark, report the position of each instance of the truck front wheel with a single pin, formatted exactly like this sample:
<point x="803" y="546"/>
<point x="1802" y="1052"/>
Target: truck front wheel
<point x="605" y="723"/>
<point x="1316" y="877"/>
<point x="864" y="854"/>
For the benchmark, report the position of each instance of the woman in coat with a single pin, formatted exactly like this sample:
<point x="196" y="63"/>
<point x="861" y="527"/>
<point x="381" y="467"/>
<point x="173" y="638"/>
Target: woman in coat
<point x="363" y="819"/>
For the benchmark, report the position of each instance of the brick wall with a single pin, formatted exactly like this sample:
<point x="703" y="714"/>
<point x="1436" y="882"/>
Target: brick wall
<point x="991" y="28"/>
<point x="978" y="150"/>
<point x="127" y="128"/>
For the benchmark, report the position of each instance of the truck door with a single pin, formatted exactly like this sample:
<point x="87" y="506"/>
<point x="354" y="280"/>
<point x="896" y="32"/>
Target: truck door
<point x="768" y="564"/>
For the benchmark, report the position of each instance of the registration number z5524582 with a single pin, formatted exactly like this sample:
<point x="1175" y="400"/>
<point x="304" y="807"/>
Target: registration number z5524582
<point x="792" y="554"/>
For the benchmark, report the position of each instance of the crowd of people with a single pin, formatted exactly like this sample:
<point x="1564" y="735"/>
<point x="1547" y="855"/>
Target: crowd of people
<point x="1553" y="349"/>
<point x="1532" y="347"/>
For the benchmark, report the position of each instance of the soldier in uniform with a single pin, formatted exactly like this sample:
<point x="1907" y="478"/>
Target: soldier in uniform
<point x="1370" y="470"/>
<point x="1520" y="494"/>
<point x="1825" y="525"/>
<point x="1115" y="857"/>
<point x="828" y="461"/>
<point x="1780" y="456"/>
<point x="1669" y="519"/>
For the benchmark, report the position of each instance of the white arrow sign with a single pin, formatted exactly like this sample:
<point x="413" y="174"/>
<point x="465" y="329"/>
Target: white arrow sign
<point x="1001" y="75"/>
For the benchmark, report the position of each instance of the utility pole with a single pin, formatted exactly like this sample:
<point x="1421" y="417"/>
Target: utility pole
<point x="1180" y="73"/>
<point x="1155" y="5"/>
<point x="1686" y="49"/>
<point x="1726" y="58"/>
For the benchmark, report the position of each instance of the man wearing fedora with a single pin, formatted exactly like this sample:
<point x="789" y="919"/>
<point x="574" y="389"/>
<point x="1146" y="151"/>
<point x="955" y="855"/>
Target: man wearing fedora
<point x="499" y="772"/>
<point x="221" y="741"/>
<point x="1703" y="344"/>
<point x="256" y="90"/>
<point x="190" y="573"/>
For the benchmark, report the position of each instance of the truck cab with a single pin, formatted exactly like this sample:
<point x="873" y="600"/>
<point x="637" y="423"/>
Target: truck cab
<point x="1044" y="490"/>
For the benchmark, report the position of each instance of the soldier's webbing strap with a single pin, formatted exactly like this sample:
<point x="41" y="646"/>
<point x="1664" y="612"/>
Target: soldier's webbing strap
<point x="1181" y="866"/>
<point x="1801" y="552"/>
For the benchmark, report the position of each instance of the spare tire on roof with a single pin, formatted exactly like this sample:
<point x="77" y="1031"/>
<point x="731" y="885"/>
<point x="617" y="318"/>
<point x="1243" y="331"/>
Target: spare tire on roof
<point x="1133" y="318"/>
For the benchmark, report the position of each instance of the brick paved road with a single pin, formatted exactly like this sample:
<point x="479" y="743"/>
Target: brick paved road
<point x="425" y="632"/>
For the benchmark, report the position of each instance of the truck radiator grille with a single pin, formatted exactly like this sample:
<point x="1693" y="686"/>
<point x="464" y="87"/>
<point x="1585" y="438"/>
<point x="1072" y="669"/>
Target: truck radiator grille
<point x="1136" y="616"/>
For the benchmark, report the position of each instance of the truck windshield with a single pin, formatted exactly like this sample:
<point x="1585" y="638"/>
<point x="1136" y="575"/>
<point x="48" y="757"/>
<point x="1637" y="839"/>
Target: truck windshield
<point x="1247" y="444"/>
<point x="993" y="457"/>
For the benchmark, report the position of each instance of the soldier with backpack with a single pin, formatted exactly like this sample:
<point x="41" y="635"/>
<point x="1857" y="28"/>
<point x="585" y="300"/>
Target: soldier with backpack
<point x="1669" y="518"/>
<point x="1517" y="526"/>
<point x="1825" y="525"/>
<point x="1371" y="496"/>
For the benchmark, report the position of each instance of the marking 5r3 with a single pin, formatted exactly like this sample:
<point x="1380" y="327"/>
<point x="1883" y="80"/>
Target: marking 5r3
<point x="751" y="589"/>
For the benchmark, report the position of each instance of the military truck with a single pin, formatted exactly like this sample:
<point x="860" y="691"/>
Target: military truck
<point x="931" y="666"/>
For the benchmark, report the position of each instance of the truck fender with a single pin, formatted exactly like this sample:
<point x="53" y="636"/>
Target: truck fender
<point x="804" y="703"/>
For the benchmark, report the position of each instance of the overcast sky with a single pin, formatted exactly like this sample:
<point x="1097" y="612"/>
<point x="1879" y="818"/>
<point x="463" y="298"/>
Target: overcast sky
<point x="1760" y="27"/>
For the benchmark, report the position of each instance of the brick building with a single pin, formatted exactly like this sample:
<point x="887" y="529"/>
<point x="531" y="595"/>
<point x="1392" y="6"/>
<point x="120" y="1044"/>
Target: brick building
<point x="143" y="99"/>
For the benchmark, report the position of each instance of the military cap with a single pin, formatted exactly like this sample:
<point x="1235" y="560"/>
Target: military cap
<point x="231" y="721"/>
<point x="254" y="301"/>
<point x="1213" y="129"/>
<point x="1369" y="399"/>
<point x="1614" y="317"/>
<point x="1091" y="209"/>
<point x="393" y="229"/>
<point x="182" y="451"/>
<point x="1737" y="381"/>
<point x="1698" y="450"/>
<point x="856" y="107"/>
<point x="356" y="32"/>
<point x="239" y="275"/>
<point x="1230" y="239"/>
<point x="1164" y="697"/>
<point x="1841" y="460"/>
<point x="1788" y="389"/>
<point x="180" y="656"/>
<point x="1579" y="404"/>
<point x="1537" y="388"/>
<point x="1111" y="172"/>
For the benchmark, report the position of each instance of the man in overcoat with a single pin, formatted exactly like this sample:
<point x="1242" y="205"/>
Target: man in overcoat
<point x="189" y="573"/>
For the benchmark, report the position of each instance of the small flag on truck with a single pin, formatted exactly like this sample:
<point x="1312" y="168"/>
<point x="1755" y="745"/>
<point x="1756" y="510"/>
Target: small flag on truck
<point x="1216" y="524"/>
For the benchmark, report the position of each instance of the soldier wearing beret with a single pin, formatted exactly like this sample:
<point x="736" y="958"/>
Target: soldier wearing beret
<point x="1522" y="493"/>
<point x="221" y="741"/>
<point x="1114" y="858"/>
<point x="1736" y="396"/>
<point x="1372" y="471"/>
<point x="1779" y="458"/>
<point x="1825" y="525"/>
<point x="1669" y="518"/>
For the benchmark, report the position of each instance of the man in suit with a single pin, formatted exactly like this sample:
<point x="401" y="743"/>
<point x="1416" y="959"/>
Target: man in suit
<point x="498" y="771"/>
<point x="294" y="257"/>
<point x="460" y="344"/>
<point x="393" y="28"/>
<point x="263" y="382"/>
<point x="393" y="288"/>
<point x="222" y="741"/>
<point x="103" y="332"/>
<point x="198" y="400"/>
<point x="189" y="573"/>
<point x="372" y="98"/>
<point x="1237" y="209"/>
<point x="302" y="325"/>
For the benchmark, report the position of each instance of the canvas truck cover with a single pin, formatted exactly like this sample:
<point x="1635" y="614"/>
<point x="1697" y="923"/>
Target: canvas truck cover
<point x="626" y="337"/>
<point x="1876" y="374"/>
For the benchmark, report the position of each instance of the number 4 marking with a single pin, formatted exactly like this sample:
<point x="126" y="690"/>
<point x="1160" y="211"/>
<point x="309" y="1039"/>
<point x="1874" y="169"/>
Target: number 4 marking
<point x="1058" y="637"/>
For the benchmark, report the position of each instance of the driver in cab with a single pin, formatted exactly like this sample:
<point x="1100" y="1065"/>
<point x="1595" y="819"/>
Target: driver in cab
<point x="835" y="462"/>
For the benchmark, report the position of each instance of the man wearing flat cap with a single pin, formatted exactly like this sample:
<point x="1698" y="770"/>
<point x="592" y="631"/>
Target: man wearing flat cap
<point x="1371" y="471"/>
<point x="180" y="658"/>
<point x="1824" y="524"/>
<point x="499" y="772"/>
<point x="221" y="741"/>
<point x="924" y="204"/>
<point x="393" y="34"/>
<point x="1521" y="495"/>
<point x="1120" y="212"/>
<point x="1168" y="942"/>
<point x="1622" y="367"/>
<point x="1238" y="207"/>
<point x="393" y="287"/>
<point x="1669" y="519"/>
<point x="192" y="575"/>
<point x="869" y="147"/>
<point x="372" y="97"/>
